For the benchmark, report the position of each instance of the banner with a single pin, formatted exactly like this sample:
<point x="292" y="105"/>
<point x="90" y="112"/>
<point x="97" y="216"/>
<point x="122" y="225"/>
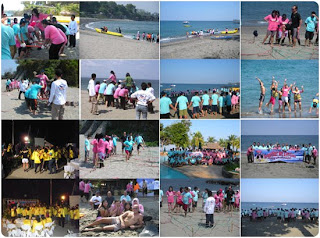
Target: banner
<point x="267" y="156"/>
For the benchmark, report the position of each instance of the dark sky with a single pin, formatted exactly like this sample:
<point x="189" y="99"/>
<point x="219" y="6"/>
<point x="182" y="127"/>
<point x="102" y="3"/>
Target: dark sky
<point x="37" y="189"/>
<point x="55" y="132"/>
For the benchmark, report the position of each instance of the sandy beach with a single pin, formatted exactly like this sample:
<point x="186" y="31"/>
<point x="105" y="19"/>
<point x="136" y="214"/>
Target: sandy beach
<point x="233" y="115"/>
<point x="255" y="50"/>
<point x="201" y="48"/>
<point x="13" y="108"/>
<point x="112" y="112"/>
<point x="151" y="208"/>
<point x="271" y="227"/>
<point x="225" y="224"/>
<point x="278" y="170"/>
<point x="101" y="46"/>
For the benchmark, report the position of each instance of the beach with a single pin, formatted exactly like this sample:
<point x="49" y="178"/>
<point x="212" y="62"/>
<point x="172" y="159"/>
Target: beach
<point x="101" y="46"/>
<point x="112" y="112"/>
<point x="233" y="115"/>
<point x="201" y="48"/>
<point x="13" y="108"/>
<point x="278" y="170"/>
<point x="253" y="49"/>
<point x="225" y="224"/>
<point x="151" y="208"/>
<point x="272" y="227"/>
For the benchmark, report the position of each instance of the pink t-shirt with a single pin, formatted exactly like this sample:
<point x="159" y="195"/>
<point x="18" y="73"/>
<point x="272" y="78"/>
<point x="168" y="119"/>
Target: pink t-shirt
<point x="97" y="87"/>
<point x="170" y="195"/>
<point x="87" y="188"/>
<point x="43" y="78"/>
<point x="81" y="186"/>
<point x="123" y="92"/>
<point x="63" y="35"/>
<point x="116" y="93"/>
<point x="285" y="92"/>
<point x="38" y="20"/>
<point x="52" y="33"/>
<point x="283" y="22"/>
<point x="179" y="196"/>
<point x="101" y="145"/>
<point x="273" y="23"/>
<point x="113" y="78"/>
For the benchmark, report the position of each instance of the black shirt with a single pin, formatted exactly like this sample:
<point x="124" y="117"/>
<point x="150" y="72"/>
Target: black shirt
<point x="109" y="200"/>
<point x="123" y="138"/>
<point x="229" y="194"/>
<point x="295" y="19"/>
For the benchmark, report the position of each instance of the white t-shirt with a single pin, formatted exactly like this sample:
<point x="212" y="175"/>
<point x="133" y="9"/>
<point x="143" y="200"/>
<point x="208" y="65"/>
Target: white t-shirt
<point x="92" y="91"/>
<point x="209" y="205"/>
<point x="58" y="92"/>
<point x="23" y="86"/>
<point x="98" y="198"/>
<point x="143" y="97"/>
<point x="150" y="90"/>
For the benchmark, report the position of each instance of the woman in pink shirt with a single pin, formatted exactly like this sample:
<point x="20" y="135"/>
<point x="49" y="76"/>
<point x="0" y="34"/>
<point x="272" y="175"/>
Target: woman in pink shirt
<point x="53" y="36"/>
<point x="123" y="93"/>
<point x="112" y="77"/>
<point x="314" y="154"/>
<point x="273" y="24"/>
<point x="116" y="95"/>
<point x="170" y="196"/>
<point x="285" y="99"/>
<point x="283" y="33"/>
<point x="97" y="87"/>
<point x="37" y="18"/>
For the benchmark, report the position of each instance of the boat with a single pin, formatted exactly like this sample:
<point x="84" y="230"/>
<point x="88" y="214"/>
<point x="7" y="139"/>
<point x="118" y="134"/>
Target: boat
<point x="66" y="19"/>
<point x="108" y="32"/>
<point x="221" y="37"/>
<point x="230" y="32"/>
<point x="186" y="22"/>
<point x="283" y="204"/>
<point x="187" y="26"/>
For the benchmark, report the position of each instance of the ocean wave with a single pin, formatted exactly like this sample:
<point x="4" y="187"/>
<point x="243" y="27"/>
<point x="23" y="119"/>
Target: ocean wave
<point x="89" y="26"/>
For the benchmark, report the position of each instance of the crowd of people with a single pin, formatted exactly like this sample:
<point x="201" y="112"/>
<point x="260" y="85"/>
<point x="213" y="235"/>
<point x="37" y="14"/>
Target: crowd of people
<point x="283" y="95"/>
<point x="36" y="31"/>
<point x="103" y="147"/>
<point x="42" y="88"/>
<point x="283" y="215"/>
<point x="126" y="212"/>
<point x="121" y="94"/>
<point x="202" y="103"/>
<point x="37" y="158"/>
<point x="39" y="219"/>
<point x="280" y="27"/>
<point x="221" y="201"/>
<point x="309" y="151"/>
<point x="152" y="38"/>
<point x="181" y="157"/>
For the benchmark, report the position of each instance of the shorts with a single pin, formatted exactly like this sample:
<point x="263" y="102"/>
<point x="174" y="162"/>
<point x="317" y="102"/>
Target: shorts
<point x="205" y="107"/>
<point x="309" y="35"/>
<point x="25" y="161"/>
<point x="185" y="207"/>
<point x="228" y="108"/>
<point x="138" y="146"/>
<point x="262" y="96"/>
<point x="116" y="223"/>
<point x="297" y="101"/>
<point x="195" y="204"/>
<point x="33" y="104"/>
<point x="86" y="154"/>
<point x="295" y="33"/>
<point x="196" y="110"/>
<point x="160" y="204"/>
<point x="285" y="99"/>
<point x="183" y="113"/>
<point x="214" y="108"/>
<point x="165" y="116"/>
<point x="278" y="218"/>
<point x="271" y="33"/>
<point x="95" y="206"/>
<point x="280" y="102"/>
<point x="179" y="203"/>
<point x="22" y="49"/>
<point x="272" y="100"/>
<point x="127" y="152"/>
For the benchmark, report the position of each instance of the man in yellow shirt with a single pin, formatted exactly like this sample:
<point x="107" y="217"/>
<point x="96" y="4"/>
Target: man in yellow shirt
<point x="37" y="160"/>
<point x="61" y="216"/>
<point x="76" y="216"/>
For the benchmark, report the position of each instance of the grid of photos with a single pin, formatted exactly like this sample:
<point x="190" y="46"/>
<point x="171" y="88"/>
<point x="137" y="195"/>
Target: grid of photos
<point x="159" y="118"/>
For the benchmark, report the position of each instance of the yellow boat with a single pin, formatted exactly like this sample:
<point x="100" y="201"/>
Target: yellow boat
<point x="66" y="19"/>
<point x="230" y="32"/>
<point x="187" y="26"/>
<point x="108" y="32"/>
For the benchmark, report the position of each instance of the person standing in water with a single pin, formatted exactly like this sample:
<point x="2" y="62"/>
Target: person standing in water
<point x="262" y="95"/>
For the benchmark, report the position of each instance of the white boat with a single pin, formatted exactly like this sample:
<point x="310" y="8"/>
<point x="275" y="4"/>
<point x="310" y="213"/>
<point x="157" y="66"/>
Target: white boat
<point x="283" y="204"/>
<point x="172" y="85"/>
<point x="186" y="22"/>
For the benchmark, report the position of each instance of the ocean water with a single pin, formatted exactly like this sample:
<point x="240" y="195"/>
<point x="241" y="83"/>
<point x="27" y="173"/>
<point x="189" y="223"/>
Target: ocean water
<point x="155" y="83"/>
<point x="253" y="13"/>
<point x="169" y="173"/>
<point x="247" y="140"/>
<point x="274" y="205"/>
<point x="128" y="28"/>
<point x="172" y="30"/>
<point x="303" y="72"/>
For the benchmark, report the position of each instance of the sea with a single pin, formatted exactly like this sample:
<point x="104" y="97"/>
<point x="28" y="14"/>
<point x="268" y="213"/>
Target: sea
<point x="175" y="30"/>
<point x="253" y="13"/>
<point x="128" y="28"/>
<point x="155" y="83"/>
<point x="303" y="72"/>
<point x="274" y="205"/>
<point x="247" y="140"/>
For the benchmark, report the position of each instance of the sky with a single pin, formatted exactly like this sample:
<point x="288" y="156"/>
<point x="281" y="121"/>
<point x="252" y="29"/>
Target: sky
<point x="216" y="128"/>
<point x="199" y="11"/>
<point x="279" y="127"/>
<point x="138" y="69"/>
<point x="13" y="5"/>
<point x="8" y="65"/>
<point x="152" y="7"/>
<point x="280" y="190"/>
<point x="204" y="71"/>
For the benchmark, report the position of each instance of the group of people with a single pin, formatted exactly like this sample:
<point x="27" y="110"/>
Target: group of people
<point x="104" y="146"/>
<point x="310" y="151"/>
<point x="152" y="38"/>
<point x="209" y="32"/>
<point x="283" y="215"/>
<point x="283" y="95"/>
<point x="221" y="201"/>
<point x="39" y="158"/>
<point x="42" y="88"/>
<point x="280" y="27"/>
<point x="204" y="104"/>
<point x="116" y="214"/>
<point x="120" y="94"/>
<point x="39" y="214"/>
<point x="36" y="31"/>
<point x="181" y="157"/>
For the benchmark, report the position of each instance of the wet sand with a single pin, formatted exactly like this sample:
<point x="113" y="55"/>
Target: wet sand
<point x="232" y="115"/>
<point x="254" y="49"/>
<point x="111" y="112"/>
<point x="278" y="170"/>
<point x="13" y="108"/>
<point x="201" y="48"/>
<point x="272" y="227"/>
<point x="225" y="224"/>
<point x="151" y="208"/>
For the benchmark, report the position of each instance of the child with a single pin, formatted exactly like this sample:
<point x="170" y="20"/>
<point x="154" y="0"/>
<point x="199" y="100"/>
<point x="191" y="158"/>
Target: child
<point x="170" y="196"/>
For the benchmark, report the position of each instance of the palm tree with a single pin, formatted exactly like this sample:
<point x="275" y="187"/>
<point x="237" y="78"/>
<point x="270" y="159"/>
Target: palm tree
<point x="197" y="138"/>
<point x="234" y="141"/>
<point x="222" y="142"/>
<point x="211" y="139"/>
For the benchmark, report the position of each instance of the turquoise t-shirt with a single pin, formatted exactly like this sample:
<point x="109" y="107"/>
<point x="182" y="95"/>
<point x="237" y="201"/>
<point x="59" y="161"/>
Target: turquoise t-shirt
<point x="221" y="104"/>
<point x="311" y="23"/>
<point x="139" y="139"/>
<point x="110" y="89"/>
<point x="228" y="98"/>
<point x="102" y="87"/>
<point x="185" y="197"/>
<point x="214" y="98"/>
<point x="7" y="40"/>
<point x="24" y="32"/>
<point x="67" y="30"/>
<point x="16" y="29"/>
<point x="130" y="144"/>
<point x="26" y="94"/>
<point x="34" y="89"/>
<point x="195" y="101"/>
<point x="114" y="140"/>
<point x="205" y="99"/>
<point x="165" y="105"/>
<point x="182" y="100"/>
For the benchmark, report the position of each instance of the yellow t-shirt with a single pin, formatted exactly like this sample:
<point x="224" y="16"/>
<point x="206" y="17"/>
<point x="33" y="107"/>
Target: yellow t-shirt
<point x="71" y="214"/>
<point x="37" y="211"/>
<point x="36" y="157"/>
<point x="71" y="154"/>
<point x="13" y="213"/>
<point x="76" y="214"/>
<point x="27" y="222"/>
<point x="24" y="212"/>
<point x="30" y="212"/>
<point x="48" y="220"/>
<point x="34" y="224"/>
<point x="19" y="211"/>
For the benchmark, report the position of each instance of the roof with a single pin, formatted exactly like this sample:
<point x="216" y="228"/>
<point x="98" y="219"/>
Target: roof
<point x="212" y="145"/>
